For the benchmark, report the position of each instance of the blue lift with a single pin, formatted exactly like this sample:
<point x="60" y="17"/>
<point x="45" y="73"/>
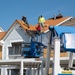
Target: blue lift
<point x="64" y="37"/>
<point x="67" y="37"/>
<point x="33" y="49"/>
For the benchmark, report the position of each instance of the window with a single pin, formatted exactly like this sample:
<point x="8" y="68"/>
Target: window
<point x="15" y="49"/>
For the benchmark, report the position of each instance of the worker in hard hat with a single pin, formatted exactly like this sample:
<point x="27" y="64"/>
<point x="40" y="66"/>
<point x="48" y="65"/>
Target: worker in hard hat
<point x="41" y="21"/>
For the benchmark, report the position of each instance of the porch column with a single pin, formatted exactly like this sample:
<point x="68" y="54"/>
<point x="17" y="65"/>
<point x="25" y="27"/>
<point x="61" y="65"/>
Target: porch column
<point x="9" y="71"/>
<point x="21" y="69"/>
<point x="38" y="69"/>
<point x="56" y="56"/>
<point x="28" y="71"/>
<point x="70" y="59"/>
<point x="42" y="68"/>
<point x="33" y="71"/>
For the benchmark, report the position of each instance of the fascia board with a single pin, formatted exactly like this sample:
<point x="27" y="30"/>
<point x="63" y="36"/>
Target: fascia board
<point x="64" y="21"/>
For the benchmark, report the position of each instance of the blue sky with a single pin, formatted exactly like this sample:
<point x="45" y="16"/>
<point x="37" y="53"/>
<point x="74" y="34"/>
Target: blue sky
<point x="10" y="10"/>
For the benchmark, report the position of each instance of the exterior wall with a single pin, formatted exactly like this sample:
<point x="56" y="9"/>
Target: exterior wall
<point x="17" y="34"/>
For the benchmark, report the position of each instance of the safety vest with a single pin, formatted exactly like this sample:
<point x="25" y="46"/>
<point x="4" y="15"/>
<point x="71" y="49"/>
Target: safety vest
<point x="41" y="20"/>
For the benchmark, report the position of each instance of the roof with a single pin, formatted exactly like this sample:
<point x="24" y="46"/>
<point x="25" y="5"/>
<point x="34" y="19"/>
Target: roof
<point x="24" y="26"/>
<point x="54" y="22"/>
<point x="2" y="35"/>
<point x="49" y="22"/>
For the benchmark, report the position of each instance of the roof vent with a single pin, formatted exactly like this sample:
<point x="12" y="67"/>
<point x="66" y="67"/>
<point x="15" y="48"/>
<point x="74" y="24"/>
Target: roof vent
<point x="25" y="20"/>
<point x="54" y="16"/>
<point x="59" y="15"/>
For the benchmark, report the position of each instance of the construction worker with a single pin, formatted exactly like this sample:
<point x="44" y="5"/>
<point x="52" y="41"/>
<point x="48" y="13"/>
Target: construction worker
<point x="25" y="20"/>
<point x="41" y="21"/>
<point x="38" y="28"/>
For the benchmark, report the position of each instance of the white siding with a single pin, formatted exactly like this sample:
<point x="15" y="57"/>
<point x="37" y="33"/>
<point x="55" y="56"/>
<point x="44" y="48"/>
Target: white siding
<point x="17" y="34"/>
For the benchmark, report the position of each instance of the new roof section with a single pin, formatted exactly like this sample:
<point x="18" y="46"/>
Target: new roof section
<point x="24" y="26"/>
<point x="49" y="22"/>
<point x="54" y="22"/>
